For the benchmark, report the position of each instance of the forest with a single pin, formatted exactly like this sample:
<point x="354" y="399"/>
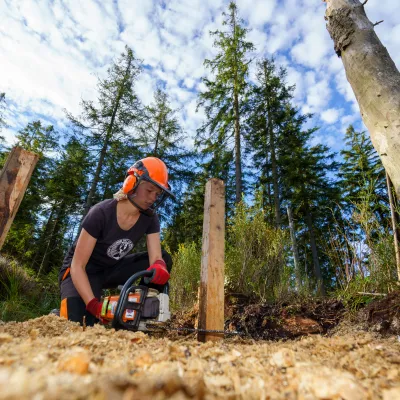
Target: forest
<point x="308" y="303"/>
<point x="301" y="220"/>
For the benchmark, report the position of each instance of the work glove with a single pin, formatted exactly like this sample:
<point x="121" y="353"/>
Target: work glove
<point x="161" y="274"/>
<point x="94" y="307"/>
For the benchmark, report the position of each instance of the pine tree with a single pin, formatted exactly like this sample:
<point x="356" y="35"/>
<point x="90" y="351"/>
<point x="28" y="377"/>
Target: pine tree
<point x="307" y="188"/>
<point x="362" y="175"/>
<point x="66" y="186"/>
<point x="270" y="99"/>
<point x="225" y="95"/>
<point x="163" y="137"/>
<point x="119" y="108"/>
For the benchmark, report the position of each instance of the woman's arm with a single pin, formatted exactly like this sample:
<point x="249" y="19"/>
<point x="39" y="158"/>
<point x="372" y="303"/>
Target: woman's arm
<point x="154" y="247"/>
<point x="83" y="251"/>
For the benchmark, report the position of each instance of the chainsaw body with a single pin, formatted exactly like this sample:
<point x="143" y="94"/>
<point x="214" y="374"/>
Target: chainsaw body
<point x="137" y="305"/>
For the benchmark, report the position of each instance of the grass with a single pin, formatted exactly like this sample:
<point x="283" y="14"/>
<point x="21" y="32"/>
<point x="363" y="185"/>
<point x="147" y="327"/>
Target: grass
<point x="22" y="296"/>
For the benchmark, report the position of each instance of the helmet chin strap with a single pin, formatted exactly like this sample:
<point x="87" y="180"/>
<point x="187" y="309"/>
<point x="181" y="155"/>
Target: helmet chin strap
<point x="148" y="212"/>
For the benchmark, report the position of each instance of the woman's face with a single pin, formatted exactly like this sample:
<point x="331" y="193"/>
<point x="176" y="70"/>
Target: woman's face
<point x="146" y="194"/>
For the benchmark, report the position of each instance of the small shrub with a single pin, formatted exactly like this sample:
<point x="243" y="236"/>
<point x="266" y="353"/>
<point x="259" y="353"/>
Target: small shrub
<point x="255" y="254"/>
<point x="185" y="276"/>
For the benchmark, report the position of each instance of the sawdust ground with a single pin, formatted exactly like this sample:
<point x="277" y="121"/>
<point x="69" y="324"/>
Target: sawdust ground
<point x="51" y="358"/>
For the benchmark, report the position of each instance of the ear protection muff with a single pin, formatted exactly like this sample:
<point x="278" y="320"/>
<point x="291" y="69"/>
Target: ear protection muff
<point x="129" y="184"/>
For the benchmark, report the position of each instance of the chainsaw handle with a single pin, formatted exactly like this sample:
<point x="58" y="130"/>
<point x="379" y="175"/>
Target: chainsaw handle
<point x="142" y="274"/>
<point x="148" y="279"/>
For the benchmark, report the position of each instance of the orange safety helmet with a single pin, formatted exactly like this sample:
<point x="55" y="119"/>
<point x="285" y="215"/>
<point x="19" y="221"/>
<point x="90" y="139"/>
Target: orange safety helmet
<point x="150" y="169"/>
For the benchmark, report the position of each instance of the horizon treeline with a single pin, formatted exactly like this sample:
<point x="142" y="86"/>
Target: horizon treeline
<point x="333" y="208"/>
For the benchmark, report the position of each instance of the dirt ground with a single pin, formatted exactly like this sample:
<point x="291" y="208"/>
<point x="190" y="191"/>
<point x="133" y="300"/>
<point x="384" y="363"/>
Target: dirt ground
<point x="314" y="351"/>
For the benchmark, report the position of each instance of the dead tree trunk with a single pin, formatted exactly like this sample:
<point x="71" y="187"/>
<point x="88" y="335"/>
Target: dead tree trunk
<point x="317" y="267"/>
<point x="373" y="76"/>
<point x="294" y="248"/>
<point x="14" y="179"/>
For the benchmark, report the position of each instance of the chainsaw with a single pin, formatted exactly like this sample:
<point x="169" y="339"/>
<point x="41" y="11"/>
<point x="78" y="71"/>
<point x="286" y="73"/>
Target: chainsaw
<point x="136" y="305"/>
<point x="140" y="308"/>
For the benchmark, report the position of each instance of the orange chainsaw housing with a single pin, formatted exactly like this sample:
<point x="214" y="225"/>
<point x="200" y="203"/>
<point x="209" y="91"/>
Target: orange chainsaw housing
<point x="110" y="304"/>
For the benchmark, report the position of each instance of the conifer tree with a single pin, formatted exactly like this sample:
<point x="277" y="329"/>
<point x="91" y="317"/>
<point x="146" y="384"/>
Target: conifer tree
<point x="225" y="95"/>
<point x="163" y="137"/>
<point x="310" y="192"/>
<point x="66" y="186"/>
<point x="270" y="99"/>
<point x="119" y="108"/>
<point x="362" y="175"/>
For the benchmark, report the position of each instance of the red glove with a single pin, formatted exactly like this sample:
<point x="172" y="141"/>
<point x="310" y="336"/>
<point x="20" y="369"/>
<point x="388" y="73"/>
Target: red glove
<point x="94" y="307"/>
<point x="161" y="274"/>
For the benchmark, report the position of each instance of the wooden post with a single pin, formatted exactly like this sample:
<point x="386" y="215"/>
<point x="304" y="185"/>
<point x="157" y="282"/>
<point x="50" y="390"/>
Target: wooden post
<point x="211" y="302"/>
<point x="14" y="179"/>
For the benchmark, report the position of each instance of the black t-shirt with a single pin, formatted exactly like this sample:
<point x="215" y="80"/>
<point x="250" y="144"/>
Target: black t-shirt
<point x="113" y="243"/>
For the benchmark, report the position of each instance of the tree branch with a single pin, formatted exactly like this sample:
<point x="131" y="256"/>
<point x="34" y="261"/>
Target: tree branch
<point x="377" y="23"/>
<point x="365" y="2"/>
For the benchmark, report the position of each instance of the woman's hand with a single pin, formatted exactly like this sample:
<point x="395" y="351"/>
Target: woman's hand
<point x="161" y="274"/>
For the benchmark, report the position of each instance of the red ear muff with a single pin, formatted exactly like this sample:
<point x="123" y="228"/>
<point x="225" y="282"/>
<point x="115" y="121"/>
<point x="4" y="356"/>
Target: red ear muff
<point x="129" y="184"/>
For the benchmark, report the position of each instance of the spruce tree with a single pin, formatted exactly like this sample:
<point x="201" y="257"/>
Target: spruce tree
<point x="308" y="188"/>
<point x="113" y="118"/>
<point x="363" y="176"/>
<point x="270" y="99"/>
<point x="163" y="137"/>
<point x="225" y="95"/>
<point x="66" y="186"/>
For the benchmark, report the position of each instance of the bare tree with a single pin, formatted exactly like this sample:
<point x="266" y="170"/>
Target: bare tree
<point x="373" y="76"/>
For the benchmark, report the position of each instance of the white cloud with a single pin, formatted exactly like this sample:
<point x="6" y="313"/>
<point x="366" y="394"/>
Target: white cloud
<point x="311" y="51"/>
<point x="331" y="115"/>
<point x="52" y="51"/>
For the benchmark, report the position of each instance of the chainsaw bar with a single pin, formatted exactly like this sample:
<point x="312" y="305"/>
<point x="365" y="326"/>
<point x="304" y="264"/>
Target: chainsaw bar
<point x="168" y="328"/>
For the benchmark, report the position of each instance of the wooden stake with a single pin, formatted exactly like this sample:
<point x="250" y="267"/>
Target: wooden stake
<point x="211" y="304"/>
<point x="14" y="179"/>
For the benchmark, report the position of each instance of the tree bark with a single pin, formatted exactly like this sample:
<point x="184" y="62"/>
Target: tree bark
<point x="317" y="268"/>
<point x="294" y="249"/>
<point x="373" y="77"/>
<point x="395" y="224"/>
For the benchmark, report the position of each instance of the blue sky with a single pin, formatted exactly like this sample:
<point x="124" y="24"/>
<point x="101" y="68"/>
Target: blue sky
<point x="51" y="52"/>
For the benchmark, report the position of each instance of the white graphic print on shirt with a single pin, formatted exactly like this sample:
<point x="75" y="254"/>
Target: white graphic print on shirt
<point x="119" y="249"/>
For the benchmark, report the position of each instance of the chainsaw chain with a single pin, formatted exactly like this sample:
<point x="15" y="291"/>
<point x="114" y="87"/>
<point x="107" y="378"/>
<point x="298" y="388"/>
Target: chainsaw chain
<point x="194" y="330"/>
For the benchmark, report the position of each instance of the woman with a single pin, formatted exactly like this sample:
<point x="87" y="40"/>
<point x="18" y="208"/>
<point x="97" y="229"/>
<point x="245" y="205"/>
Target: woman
<point x="100" y="259"/>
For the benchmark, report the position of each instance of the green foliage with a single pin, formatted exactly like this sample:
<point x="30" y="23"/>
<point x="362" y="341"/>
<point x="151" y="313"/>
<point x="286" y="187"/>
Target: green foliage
<point x="354" y="295"/>
<point x="163" y="137"/>
<point x="111" y="121"/>
<point x="225" y="97"/>
<point x="185" y="277"/>
<point x="255" y="254"/>
<point x="22" y="296"/>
